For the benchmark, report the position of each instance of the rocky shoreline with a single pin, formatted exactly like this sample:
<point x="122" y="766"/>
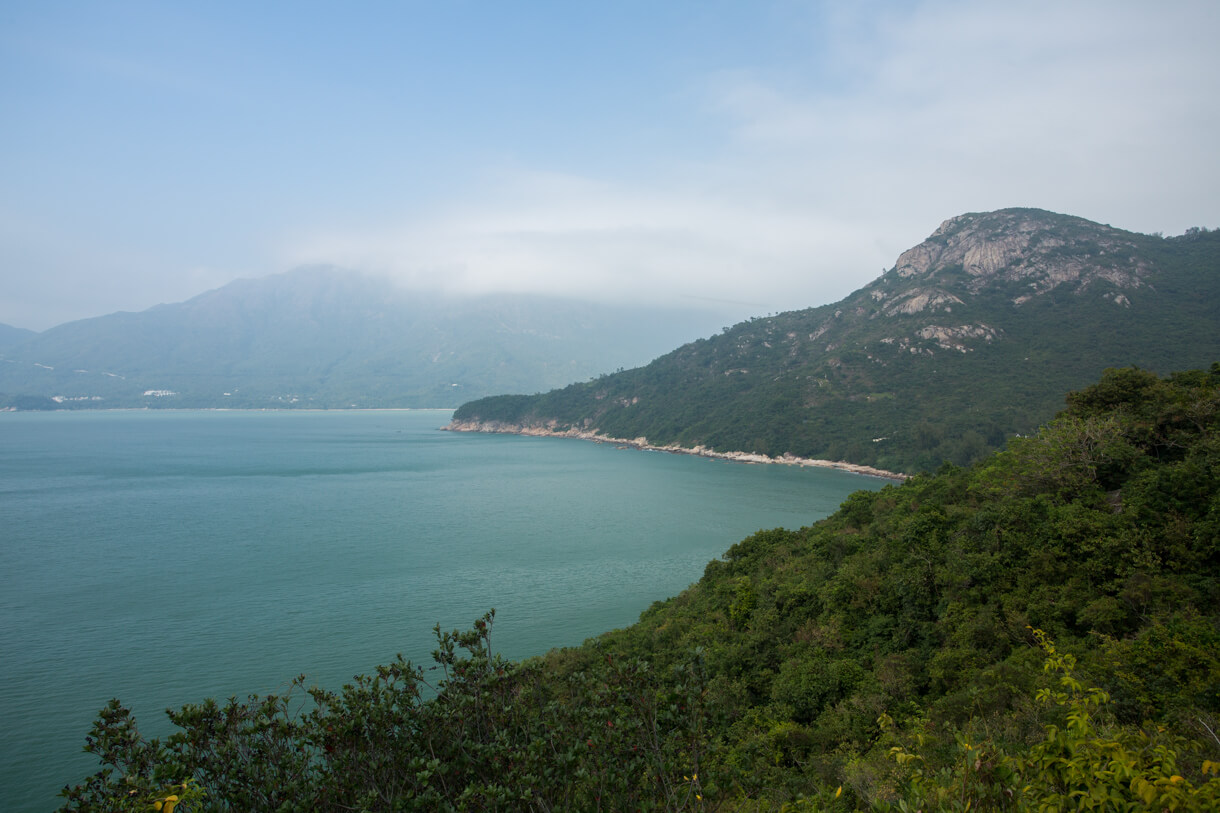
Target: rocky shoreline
<point x="641" y="443"/>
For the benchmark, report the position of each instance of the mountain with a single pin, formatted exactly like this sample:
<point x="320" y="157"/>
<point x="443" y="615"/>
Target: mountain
<point x="323" y="337"/>
<point x="969" y="339"/>
<point x="10" y="335"/>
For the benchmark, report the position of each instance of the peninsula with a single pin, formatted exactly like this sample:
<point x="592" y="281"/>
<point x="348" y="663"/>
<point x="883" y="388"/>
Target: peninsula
<point x="642" y="444"/>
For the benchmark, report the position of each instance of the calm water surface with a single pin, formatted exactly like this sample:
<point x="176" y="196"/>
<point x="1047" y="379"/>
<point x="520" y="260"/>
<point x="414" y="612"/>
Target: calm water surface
<point x="164" y="557"/>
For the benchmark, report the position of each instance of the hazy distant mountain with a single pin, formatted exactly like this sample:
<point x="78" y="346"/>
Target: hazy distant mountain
<point x="973" y="335"/>
<point x="10" y="336"/>
<point x="330" y="338"/>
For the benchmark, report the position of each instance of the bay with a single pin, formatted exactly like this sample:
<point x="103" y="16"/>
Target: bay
<point x="165" y="557"/>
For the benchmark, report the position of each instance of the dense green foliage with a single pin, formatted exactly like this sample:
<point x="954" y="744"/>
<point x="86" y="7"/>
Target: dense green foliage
<point x="1039" y="631"/>
<point x="865" y="381"/>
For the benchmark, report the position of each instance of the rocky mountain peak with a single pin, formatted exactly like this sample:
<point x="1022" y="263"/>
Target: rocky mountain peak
<point x="1030" y="251"/>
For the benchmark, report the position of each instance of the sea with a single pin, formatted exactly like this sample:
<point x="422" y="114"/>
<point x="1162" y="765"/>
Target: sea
<point x="164" y="556"/>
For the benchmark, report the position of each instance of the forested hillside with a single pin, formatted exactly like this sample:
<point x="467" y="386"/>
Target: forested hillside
<point x="970" y="338"/>
<point x="1040" y="631"/>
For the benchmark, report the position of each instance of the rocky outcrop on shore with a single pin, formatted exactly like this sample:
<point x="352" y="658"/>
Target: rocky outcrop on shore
<point x="643" y="444"/>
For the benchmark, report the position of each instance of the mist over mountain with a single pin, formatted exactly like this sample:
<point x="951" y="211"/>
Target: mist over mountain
<point x="972" y="336"/>
<point x="10" y="335"/>
<point x="324" y="337"/>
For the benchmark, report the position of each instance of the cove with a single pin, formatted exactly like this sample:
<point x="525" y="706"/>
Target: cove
<point x="164" y="557"/>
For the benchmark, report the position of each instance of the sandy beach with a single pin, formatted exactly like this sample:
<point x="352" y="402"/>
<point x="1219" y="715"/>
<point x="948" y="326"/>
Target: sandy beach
<point x="643" y="445"/>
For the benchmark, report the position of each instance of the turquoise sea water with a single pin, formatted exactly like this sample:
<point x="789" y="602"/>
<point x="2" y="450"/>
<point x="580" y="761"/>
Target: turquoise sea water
<point x="164" y="557"/>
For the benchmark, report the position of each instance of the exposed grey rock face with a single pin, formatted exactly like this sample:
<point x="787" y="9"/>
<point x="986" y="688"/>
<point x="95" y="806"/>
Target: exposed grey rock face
<point x="973" y="335"/>
<point x="956" y="289"/>
<point x="1010" y="256"/>
<point x="1016" y="245"/>
<point x="919" y="299"/>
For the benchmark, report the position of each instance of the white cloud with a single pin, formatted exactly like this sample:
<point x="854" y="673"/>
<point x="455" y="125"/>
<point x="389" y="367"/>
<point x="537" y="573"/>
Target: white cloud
<point x="904" y="118"/>
<point x="1102" y="110"/>
<point x="570" y="236"/>
<point x="141" y="168"/>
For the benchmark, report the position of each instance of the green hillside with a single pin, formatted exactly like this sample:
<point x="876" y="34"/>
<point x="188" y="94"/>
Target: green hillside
<point x="971" y="338"/>
<point x="1040" y="631"/>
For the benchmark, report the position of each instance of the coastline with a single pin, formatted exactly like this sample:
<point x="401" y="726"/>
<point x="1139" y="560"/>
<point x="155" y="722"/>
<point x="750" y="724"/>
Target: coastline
<point x="14" y="410"/>
<point x="642" y="444"/>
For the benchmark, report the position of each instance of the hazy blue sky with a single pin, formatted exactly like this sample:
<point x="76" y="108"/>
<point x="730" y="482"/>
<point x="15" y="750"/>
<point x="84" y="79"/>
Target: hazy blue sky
<point x="773" y="153"/>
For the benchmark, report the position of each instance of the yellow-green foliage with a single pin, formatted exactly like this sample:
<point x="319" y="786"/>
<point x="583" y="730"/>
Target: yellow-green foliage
<point x="1088" y="763"/>
<point x="761" y="687"/>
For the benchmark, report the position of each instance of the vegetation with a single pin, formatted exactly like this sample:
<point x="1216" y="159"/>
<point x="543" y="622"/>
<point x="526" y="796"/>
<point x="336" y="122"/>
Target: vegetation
<point x="866" y="381"/>
<point x="1040" y="631"/>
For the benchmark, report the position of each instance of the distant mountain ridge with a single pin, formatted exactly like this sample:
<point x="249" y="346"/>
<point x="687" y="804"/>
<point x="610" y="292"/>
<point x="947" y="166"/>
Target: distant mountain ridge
<point x="325" y="337"/>
<point x="972" y="336"/>
<point x="10" y="335"/>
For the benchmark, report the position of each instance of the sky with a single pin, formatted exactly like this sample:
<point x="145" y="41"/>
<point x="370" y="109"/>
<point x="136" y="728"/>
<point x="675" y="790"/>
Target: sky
<point x="764" y="155"/>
